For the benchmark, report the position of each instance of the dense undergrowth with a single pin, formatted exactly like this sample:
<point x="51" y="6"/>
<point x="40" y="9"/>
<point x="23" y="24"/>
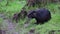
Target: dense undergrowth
<point x="16" y="6"/>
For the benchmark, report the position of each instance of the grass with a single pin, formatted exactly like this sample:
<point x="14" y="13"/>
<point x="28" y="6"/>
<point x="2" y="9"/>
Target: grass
<point x="16" y="6"/>
<point x="1" y="20"/>
<point x="13" y="7"/>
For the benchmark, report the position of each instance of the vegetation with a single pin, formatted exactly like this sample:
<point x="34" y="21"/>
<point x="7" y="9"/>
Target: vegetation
<point x="17" y="5"/>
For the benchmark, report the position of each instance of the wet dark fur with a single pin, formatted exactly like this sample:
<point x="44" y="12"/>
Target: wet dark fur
<point x="42" y="15"/>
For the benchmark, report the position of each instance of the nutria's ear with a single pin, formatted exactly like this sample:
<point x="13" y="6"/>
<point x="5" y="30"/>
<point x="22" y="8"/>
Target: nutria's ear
<point x="34" y="13"/>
